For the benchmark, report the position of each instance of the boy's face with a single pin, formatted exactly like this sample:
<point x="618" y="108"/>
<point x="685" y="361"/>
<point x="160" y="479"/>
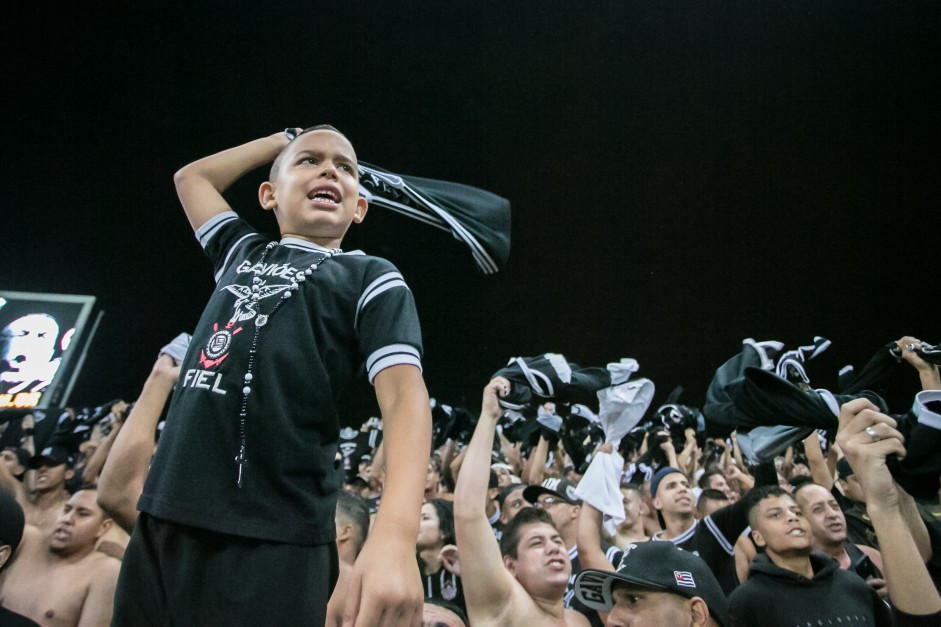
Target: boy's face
<point x="316" y="193"/>
<point x="781" y="526"/>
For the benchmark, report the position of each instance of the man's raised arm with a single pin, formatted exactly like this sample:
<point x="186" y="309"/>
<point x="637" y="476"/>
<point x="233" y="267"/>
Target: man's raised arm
<point x="488" y="585"/>
<point x="125" y="470"/>
<point x="867" y="437"/>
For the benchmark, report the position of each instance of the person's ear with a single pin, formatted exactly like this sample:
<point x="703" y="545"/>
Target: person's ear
<point x="362" y="206"/>
<point x="69" y="474"/>
<point x="266" y="196"/>
<point x="510" y="564"/>
<point x="5" y="552"/>
<point x="758" y="538"/>
<point x="344" y="533"/>
<point x="699" y="611"/>
<point x="104" y="527"/>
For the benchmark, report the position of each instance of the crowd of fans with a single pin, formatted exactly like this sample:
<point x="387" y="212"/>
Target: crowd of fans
<point x="568" y="500"/>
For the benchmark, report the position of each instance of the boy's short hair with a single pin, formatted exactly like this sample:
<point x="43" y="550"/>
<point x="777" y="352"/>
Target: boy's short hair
<point x="354" y="510"/>
<point x="511" y="533"/>
<point x="276" y="165"/>
<point x="757" y="495"/>
<point x="709" y="494"/>
<point x="706" y="476"/>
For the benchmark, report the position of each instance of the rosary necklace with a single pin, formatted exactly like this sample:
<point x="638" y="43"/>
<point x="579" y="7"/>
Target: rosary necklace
<point x="260" y="321"/>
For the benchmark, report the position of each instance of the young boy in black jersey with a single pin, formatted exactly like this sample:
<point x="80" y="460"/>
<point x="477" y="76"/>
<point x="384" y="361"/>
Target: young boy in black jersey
<point x="237" y="515"/>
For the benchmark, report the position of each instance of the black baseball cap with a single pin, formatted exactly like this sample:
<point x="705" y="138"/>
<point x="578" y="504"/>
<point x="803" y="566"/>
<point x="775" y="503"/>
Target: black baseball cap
<point x="50" y="456"/>
<point x="660" y="566"/>
<point x="556" y="487"/>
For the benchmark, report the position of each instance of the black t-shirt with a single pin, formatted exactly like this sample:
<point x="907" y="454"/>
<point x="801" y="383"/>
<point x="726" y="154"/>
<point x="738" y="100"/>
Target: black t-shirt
<point x="353" y="309"/>
<point x="713" y="539"/>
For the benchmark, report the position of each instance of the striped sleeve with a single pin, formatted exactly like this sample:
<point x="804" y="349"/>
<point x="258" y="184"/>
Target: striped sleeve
<point x="393" y="355"/>
<point x="222" y="238"/>
<point x="386" y="321"/>
<point x="388" y="281"/>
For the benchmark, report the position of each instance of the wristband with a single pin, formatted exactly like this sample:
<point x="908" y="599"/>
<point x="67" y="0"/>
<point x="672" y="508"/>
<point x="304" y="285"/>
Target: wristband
<point x="29" y="431"/>
<point x="290" y="133"/>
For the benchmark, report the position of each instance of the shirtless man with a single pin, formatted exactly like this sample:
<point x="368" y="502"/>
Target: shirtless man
<point x="47" y="493"/>
<point x="59" y="579"/>
<point x="525" y="585"/>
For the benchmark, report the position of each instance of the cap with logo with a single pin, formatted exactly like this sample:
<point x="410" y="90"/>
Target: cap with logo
<point x="555" y="487"/>
<point x="659" y="566"/>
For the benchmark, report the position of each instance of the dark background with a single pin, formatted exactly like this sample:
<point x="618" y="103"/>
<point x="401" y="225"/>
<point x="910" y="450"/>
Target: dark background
<point x="683" y="175"/>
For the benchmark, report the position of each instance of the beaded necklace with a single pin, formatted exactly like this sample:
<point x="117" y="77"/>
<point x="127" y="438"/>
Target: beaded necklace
<point x="260" y="321"/>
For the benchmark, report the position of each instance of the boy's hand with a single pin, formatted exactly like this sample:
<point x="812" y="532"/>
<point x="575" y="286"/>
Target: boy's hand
<point x="385" y="587"/>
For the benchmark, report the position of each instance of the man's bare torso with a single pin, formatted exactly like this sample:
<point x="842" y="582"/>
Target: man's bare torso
<point x="50" y="590"/>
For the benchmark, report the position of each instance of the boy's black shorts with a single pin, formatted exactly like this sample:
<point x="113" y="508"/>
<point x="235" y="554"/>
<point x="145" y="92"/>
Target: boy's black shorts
<point x="178" y="575"/>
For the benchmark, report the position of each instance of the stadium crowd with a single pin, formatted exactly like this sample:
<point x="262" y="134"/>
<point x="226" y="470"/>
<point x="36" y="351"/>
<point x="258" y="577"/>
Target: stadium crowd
<point x="569" y="499"/>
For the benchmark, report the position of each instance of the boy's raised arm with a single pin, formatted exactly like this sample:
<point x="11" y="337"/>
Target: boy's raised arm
<point x="385" y="588"/>
<point x="200" y="184"/>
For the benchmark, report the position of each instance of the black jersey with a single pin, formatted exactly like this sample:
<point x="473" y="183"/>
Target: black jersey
<point x="713" y="539"/>
<point x="353" y="312"/>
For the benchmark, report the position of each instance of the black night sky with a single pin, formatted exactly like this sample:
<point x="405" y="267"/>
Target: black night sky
<point x="683" y="175"/>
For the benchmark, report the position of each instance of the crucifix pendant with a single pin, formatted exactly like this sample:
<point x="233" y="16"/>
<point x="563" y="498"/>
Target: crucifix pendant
<point x="240" y="459"/>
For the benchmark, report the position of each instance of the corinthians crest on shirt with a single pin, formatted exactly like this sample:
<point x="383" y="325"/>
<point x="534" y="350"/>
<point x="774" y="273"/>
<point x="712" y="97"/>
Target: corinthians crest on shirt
<point x="248" y="300"/>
